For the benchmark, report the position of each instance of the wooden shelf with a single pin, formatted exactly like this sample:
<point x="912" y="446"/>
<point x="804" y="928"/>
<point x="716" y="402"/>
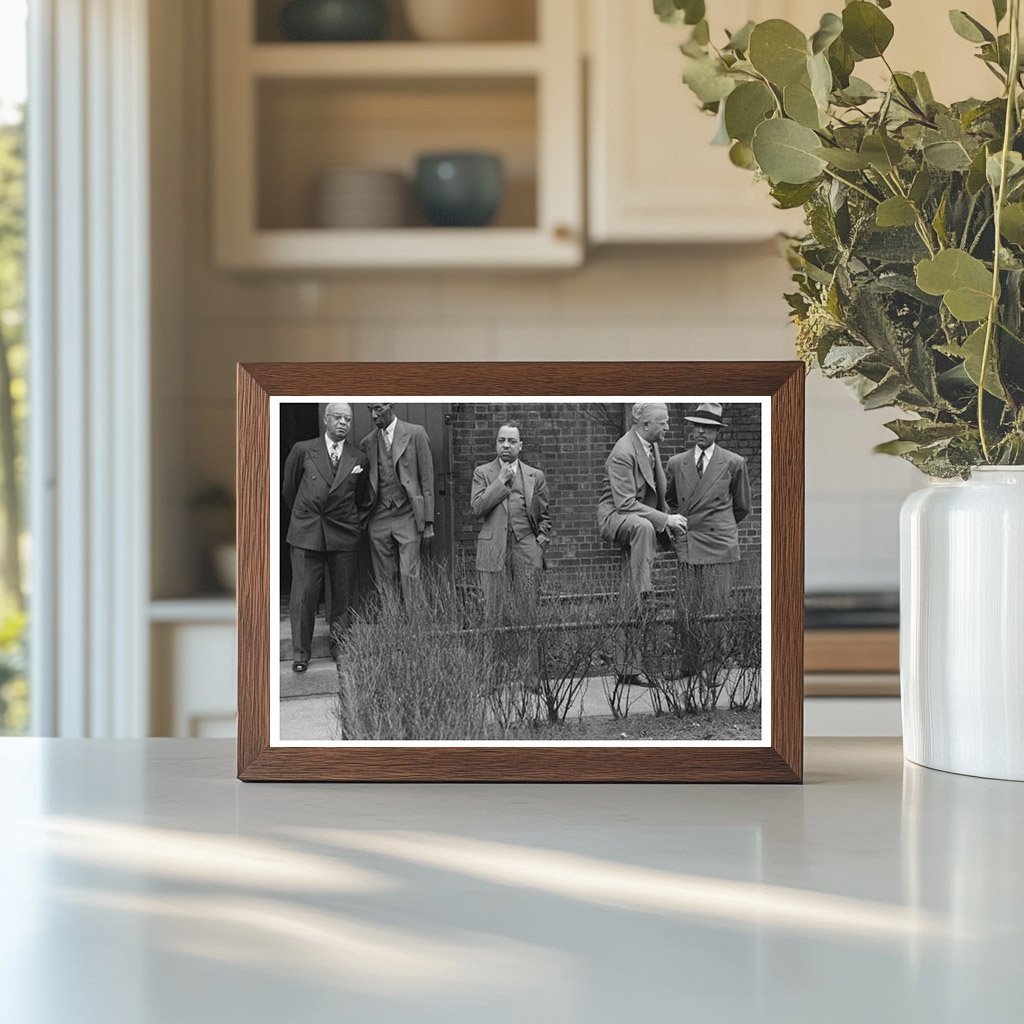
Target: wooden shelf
<point x="392" y="60"/>
<point x="401" y="247"/>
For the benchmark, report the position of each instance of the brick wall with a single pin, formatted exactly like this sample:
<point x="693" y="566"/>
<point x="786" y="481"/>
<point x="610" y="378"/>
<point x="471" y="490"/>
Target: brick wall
<point x="570" y="444"/>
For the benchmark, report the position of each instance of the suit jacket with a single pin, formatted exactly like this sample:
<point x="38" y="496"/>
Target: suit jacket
<point x="329" y="508"/>
<point x="714" y="504"/>
<point x="487" y="500"/>
<point x="631" y="487"/>
<point x="414" y="467"/>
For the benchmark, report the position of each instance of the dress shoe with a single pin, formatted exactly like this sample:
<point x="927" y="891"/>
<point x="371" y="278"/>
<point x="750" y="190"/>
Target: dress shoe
<point x="300" y="666"/>
<point x="631" y="679"/>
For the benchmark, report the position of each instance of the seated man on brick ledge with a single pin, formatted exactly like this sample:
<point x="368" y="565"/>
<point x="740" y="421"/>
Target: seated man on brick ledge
<point x="632" y="512"/>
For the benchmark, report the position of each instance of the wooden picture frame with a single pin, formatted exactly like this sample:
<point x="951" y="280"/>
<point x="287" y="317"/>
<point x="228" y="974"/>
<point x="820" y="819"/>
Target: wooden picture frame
<point x="777" y="386"/>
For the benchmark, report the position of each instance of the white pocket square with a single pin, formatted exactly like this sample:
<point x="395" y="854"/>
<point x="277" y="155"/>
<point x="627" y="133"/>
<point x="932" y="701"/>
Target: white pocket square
<point x="356" y="469"/>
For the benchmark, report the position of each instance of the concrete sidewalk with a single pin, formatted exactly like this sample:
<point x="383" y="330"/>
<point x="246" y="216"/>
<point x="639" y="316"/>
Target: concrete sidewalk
<point x="313" y="715"/>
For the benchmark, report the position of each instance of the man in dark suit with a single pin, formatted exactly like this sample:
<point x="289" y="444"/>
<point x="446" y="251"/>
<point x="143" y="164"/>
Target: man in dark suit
<point x="325" y="485"/>
<point x="511" y="499"/>
<point x="632" y="512"/>
<point x="401" y="487"/>
<point x="710" y="486"/>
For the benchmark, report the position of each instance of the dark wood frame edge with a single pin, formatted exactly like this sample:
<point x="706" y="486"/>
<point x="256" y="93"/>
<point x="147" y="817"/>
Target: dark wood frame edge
<point x="781" y="762"/>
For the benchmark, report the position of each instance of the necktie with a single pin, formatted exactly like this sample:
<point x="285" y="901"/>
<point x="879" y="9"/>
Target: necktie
<point x="335" y="456"/>
<point x="700" y="463"/>
<point x="650" y="455"/>
<point x="387" y="442"/>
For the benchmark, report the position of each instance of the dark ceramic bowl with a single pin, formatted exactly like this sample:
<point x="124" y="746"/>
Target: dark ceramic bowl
<point x="334" y="20"/>
<point x="460" y="189"/>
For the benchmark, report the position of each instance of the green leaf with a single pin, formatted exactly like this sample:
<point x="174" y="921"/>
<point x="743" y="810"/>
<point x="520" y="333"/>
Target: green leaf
<point x="971" y="352"/>
<point x="745" y="108"/>
<point x="939" y="220"/>
<point x="858" y="91"/>
<point x="830" y="28"/>
<point x="778" y="50"/>
<point x="999" y="7"/>
<point x="921" y="185"/>
<point x="739" y="41"/>
<point x="994" y="167"/>
<point x="679" y="12"/>
<point x="789" y="197"/>
<point x="923" y="431"/>
<point x="924" y="88"/>
<point x="742" y="155"/>
<point x="1011" y="226"/>
<point x="707" y="80"/>
<point x="820" y="75"/>
<point x="946" y="156"/>
<point x="883" y="153"/>
<point x="844" y="159"/>
<point x="896" y="212"/>
<point x="785" y="152"/>
<point x="800" y="105"/>
<point x="968" y="28"/>
<point x="976" y="175"/>
<point x="895" y="447"/>
<point x="866" y="29"/>
<point x="963" y="281"/>
<point x="841" y="60"/>
<point x="885" y="394"/>
<point x="701" y="33"/>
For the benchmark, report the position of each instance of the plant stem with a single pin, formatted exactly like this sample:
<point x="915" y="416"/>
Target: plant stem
<point x="923" y="229"/>
<point x="993" y="308"/>
<point x="855" y="187"/>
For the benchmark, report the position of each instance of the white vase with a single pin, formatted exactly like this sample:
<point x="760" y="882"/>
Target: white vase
<point x="962" y="624"/>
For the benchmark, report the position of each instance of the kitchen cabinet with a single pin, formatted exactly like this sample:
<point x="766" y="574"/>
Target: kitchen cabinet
<point x="286" y="113"/>
<point x="653" y="175"/>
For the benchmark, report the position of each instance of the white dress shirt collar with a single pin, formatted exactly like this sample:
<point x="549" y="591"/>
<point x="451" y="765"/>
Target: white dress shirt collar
<point x="709" y="451"/>
<point x="648" y="446"/>
<point x="389" y="430"/>
<point x="331" y="444"/>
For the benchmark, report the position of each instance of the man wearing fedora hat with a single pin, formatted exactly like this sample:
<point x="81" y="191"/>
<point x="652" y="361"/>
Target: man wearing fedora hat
<point x="709" y="485"/>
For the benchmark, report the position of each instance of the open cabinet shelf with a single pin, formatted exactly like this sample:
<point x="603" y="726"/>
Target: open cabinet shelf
<point x="287" y="114"/>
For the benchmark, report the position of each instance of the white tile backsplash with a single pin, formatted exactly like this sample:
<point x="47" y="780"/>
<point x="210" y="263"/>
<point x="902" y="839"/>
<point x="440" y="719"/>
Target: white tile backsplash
<point x="718" y="302"/>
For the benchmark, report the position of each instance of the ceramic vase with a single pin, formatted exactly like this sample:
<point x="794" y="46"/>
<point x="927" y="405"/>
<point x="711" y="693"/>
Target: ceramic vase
<point x="962" y="624"/>
<point x="334" y="20"/>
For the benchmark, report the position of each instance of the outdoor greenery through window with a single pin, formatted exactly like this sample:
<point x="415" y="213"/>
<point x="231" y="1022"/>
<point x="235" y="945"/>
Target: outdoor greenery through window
<point x="14" y="703"/>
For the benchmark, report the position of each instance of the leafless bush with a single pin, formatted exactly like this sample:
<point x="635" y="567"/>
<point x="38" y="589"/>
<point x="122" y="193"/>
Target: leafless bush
<point x="415" y="671"/>
<point x="710" y="644"/>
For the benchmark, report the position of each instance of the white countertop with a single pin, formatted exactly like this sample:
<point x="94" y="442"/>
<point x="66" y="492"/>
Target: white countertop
<point x="143" y="884"/>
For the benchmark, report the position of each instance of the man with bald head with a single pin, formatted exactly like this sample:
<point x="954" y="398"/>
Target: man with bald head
<point x="632" y="512"/>
<point x="325" y="486"/>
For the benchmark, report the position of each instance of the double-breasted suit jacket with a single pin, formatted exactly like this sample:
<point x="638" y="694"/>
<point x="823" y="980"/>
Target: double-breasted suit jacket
<point x="488" y="502"/>
<point x="329" y="507"/>
<point x="714" y="505"/>
<point x="632" y="487"/>
<point x="329" y="511"/>
<point x="414" y="468"/>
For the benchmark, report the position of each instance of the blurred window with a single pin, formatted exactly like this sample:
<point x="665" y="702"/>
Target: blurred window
<point x="14" y="547"/>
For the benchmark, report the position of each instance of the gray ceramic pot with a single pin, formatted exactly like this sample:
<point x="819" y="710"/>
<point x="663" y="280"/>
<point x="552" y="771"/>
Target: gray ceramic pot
<point x="460" y="189"/>
<point x="334" y="20"/>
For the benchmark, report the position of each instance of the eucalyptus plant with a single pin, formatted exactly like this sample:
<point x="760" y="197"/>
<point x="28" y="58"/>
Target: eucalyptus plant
<point x="910" y="278"/>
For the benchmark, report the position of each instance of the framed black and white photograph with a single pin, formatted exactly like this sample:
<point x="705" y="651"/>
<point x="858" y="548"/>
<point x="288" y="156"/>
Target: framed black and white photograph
<point x="520" y="571"/>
